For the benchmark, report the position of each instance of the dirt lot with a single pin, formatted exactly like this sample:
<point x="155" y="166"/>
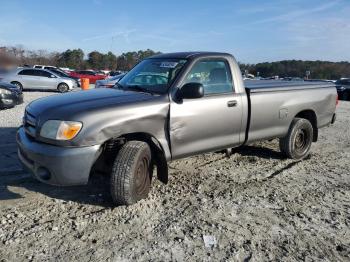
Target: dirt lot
<point x="257" y="205"/>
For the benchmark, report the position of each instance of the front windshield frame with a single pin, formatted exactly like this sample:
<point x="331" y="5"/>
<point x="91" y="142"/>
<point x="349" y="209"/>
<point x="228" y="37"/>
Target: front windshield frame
<point x="169" y="69"/>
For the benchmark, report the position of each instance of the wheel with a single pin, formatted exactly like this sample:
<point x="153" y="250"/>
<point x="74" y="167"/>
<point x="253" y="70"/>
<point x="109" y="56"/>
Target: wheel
<point x="63" y="88"/>
<point x="131" y="174"/>
<point x="297" y="143"/>
<point x="18" y="84"/>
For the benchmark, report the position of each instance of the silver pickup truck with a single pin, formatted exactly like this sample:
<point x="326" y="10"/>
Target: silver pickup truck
<point x="167" y="107"/>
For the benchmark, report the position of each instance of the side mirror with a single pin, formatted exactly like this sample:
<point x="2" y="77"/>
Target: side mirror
<point x="191" y="90"/>
<point x="52" y="76"/>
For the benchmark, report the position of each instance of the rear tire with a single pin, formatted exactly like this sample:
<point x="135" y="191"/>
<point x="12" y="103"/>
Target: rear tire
<point x="63" y="88"/>
<point x="297" y="143"/>
<point x="18" y="84"/>
<point x="131" y="173"/>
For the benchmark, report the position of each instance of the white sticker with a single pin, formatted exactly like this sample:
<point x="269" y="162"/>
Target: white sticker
<point x="168" y="64"/>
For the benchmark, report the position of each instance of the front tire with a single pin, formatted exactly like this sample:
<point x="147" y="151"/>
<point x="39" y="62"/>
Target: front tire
<point x="297" y="143"/>
<point x="63" y="88"/>
<point x="131" y="173"/>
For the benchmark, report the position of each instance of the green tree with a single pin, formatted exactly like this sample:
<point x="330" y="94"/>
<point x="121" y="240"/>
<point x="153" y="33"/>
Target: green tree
<point x="109" y="61"/>
<point x="95" y="59"/>
<point x="71" y="58"/>
<point x="127" y="60"/>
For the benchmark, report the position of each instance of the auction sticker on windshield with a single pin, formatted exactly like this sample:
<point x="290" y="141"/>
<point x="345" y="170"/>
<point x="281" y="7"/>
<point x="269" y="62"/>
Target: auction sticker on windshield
<point x="169" y="64"/>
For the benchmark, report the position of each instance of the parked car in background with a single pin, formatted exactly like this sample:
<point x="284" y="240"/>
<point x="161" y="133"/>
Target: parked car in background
<point x="343" y="88"/>
<point x="91" y="75"/>
<point x="39" y="79"/>
<point x="108" y="82"/>
<point x="64" y="74"/>
<point x="292" y="78"/>
<point x="10" y="95"/>
<point x="102" y="72"/>
<point x="44" y="67"/>
<point x="3" y="72"/>
<point x="115" y="73"/>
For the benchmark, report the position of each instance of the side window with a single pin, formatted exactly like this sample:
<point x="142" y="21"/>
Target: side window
<point x="36" y="72"/>
<point x="24" y="72"/>
<point x="214" y="74"/>
<point x="45" y="74"/>
<point x="27" y="72"/>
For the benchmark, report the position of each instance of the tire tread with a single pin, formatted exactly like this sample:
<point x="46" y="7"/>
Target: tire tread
<point x="122" y="172"/>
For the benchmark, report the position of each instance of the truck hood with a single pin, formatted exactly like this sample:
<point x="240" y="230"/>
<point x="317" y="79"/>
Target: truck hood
<point x="105" y="113"/>
<point x="66" y="106"/>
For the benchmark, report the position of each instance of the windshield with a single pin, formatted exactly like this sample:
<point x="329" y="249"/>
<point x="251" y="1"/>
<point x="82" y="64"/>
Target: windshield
<point x="153" y="75"/>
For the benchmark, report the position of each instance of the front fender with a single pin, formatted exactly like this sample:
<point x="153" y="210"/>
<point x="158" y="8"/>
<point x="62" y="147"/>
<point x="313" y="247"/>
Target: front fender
<point x="150" y="119"/>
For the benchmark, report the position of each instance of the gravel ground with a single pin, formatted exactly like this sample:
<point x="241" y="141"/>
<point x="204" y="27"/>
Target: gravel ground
<point x="254" y="206"/>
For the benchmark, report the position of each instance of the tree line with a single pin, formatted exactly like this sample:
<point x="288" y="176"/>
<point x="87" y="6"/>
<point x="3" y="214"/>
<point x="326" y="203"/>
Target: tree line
<point x="76" y="59"/>
<point x="72" y="58"/>
<point x="298" y="68"/>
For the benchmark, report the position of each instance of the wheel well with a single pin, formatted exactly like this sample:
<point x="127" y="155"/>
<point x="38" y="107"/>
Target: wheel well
<point x="311" y="116"/>
<point x="112" y="146"/>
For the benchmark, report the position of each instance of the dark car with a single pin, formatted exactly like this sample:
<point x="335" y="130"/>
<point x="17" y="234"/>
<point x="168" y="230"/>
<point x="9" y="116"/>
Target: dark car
<point x="116" y="73"/>
<point x="10" y="95"/>
<point x="343" y="88"/>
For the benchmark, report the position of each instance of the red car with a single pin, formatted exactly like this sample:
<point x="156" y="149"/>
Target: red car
<point x="91" y="75"/>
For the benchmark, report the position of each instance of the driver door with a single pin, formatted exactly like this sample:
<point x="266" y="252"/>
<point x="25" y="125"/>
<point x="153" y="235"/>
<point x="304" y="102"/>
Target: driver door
<point x="209" y="123"/>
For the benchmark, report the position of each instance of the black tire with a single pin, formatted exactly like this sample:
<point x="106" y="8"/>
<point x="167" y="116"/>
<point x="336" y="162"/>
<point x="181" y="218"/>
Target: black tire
<point x="18" y="84"/>
<point x="131" y="174"/>
<point x="63" y="88"/>
<point x="297" y="143"/>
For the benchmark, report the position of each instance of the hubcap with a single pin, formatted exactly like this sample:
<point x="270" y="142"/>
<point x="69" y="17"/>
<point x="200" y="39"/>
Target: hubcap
<point x="62" y="88"/>
<point x="142" y="176"/>
<point x="300" y="141"/>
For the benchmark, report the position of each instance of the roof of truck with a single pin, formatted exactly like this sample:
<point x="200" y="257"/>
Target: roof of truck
<point x="186" y="55"/>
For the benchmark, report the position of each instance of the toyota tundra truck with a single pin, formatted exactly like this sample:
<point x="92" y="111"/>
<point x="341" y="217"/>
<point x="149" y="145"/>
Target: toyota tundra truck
<point x="168" y="107"/>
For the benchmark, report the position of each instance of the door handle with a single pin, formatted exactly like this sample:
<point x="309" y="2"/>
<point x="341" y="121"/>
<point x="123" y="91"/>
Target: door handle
<point x="232" y="103"/>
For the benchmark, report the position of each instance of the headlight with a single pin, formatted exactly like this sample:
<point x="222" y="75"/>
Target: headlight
<point x="5" y="92"/>
<point x="60" y="130"/>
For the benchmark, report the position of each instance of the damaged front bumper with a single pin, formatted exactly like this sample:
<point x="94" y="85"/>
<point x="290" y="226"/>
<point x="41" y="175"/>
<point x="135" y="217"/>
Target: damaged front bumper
<point x="56" y="165"/>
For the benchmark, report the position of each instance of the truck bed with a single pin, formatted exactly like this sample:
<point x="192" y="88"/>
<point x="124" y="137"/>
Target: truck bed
<point x="273" y="104"/>
<point x="255" y="86"/>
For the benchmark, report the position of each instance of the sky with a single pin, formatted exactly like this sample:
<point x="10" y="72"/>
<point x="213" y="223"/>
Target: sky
<point x="252" y="30"/>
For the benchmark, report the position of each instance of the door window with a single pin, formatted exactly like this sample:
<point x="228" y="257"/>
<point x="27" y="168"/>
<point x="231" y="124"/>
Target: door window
<point x="27" y="72"/>
<point x="45" y="74"/>
<point x="36" y="73"/>
<point x="214" y="74"/>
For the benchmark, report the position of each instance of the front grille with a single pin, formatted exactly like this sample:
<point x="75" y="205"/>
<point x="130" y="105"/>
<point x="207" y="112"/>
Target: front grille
<point x="29" y="123"/>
